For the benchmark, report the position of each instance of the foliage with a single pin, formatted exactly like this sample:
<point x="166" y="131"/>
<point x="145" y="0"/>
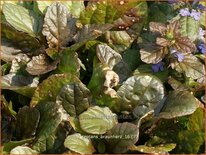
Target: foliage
<point x="122" y="76"/>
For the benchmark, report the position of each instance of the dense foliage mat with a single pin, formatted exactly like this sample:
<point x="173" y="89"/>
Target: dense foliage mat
<point x="106" y="76"/>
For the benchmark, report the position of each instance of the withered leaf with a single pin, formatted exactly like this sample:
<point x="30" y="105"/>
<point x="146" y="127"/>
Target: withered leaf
<point x="111" y="80"/>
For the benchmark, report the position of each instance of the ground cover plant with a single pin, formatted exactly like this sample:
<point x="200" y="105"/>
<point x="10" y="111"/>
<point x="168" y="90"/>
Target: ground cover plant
<point x="109" y="76"/>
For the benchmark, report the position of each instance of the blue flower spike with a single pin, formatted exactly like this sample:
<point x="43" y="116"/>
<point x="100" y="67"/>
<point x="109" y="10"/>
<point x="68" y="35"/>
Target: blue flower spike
<point x="157" y="67"/>
<point x="201" y="47"/>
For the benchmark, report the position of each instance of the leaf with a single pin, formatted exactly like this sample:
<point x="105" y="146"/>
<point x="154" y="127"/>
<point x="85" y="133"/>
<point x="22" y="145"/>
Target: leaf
<point x="132" y="58"/>
<point x="184" y="44"/>
<point x="189" y="27"/>
<point x="193" y="138"/>
<point x="178" y="103"/>
<point x="107" y="55"/>
<point x="59" y="26"/>
<point x="19" y="63"/>
<point x="46" y="90"/>
<point x="5" y="69"/>
<point x="141" y="90"/>
<point x="122" y="70"/>
<point x="23" y="150"/>
<point x="8" y="51"/>
<point x="120" y="39"/>
<point x="156" y="15"/>
<point x="69" y="62"/>
<point x="27" y="122"/>
<point x="7" y="147"/>
<point x="176" y="85"/>
<point x="45" y="145"/>
<point x="164" y="148"/>
<point x="75" y="98"/>
<point x="20" y="18"/>
<point x="52" y="53"/>
<point x="97" y="120"/>
<point x="195" y="121"/>
<point x="18" y="39"/>
<point x="91" y="32"/>
<point x="162" y="42"/>
<point x="24" y="85"/>
<point x="190" y="66"/>
<point x="8" y="107"/>
<point x="74" y="122"/>
<point x="98" y="13"/>
<point x="75" y="7"/>
<point x="157" y="27"/>
<point x="147" y="68"/>
<point x="5" y="1"/>
<point x="186" y="131"/>
<point x="192" y="141"/>
<point x="79" y="144"/>
<point x="126" y="135"/>
<point x="161" y="12"/>
<point x="153" y="54"/>
<point x="50" y="118"/>
<point x="40" y="65"/>
<point x="43" y="5"/>
<point x="55" y="142"/>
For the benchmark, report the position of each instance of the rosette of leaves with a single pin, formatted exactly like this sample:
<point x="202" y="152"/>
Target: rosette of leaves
<point x="167" y="37"/>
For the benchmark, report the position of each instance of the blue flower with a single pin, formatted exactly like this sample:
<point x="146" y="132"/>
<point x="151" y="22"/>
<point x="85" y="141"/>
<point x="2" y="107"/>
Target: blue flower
<point x="201" y="47"/>
<point x="184" y="12"/>
<point x="195" y="14"/>
<point x="157" y="67"/>
<point x="201" y="7"/>
<point x="180" y="57"/>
